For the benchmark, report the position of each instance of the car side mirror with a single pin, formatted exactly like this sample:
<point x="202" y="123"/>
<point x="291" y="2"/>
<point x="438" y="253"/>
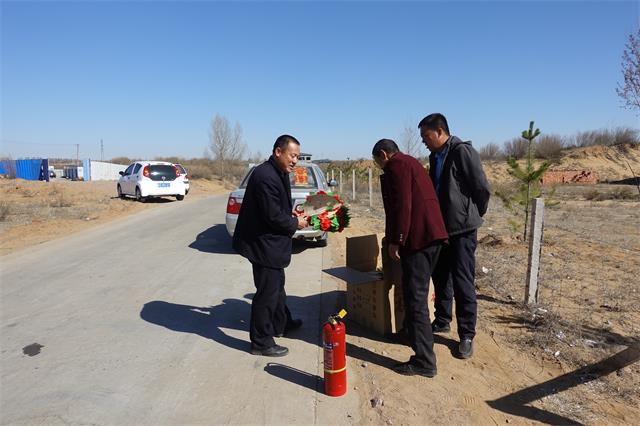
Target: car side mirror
<point x="121" y="173"/>
<point x="333" y="182"/>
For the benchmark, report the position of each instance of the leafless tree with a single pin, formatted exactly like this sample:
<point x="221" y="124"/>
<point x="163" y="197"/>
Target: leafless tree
<point x="629" y="91"/>
<point x="410" y="140"/>
<point x="225" y="144"/>
<point x="549" y="146"/>
<point x="490" y="151"/>
<point x="256" y="157"/>
<point x="607" y="137"/>
<point x="516" y="148"/>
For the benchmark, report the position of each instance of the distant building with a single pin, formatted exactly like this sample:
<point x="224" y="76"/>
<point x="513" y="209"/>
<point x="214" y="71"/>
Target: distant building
<point x="304" y="157"/>
<point x="555" y="177"/>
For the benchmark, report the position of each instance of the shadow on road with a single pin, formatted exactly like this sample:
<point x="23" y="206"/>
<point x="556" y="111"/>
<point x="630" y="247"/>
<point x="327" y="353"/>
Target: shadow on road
<point x="150" y="200"/>
<point x="293" y="375"/>
<point x="515" y="403"/>
<point x="207" y="322"/>
<point x="214" y="240"/>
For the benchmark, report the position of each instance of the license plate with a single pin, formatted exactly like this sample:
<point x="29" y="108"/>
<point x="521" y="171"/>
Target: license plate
<point x="164" y="185"/>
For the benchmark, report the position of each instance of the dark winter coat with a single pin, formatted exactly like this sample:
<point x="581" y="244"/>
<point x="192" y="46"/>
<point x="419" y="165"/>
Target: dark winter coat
<point x="265" y="224"/>
<point x="463" y="187"/>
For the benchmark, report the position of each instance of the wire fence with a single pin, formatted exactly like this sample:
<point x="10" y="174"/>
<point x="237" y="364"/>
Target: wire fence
<point x="589" y="285"/>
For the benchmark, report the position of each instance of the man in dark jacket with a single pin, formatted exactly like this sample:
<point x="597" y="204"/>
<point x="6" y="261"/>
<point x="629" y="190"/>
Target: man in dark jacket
<point x="263" y="235"/>
<point x="463" y="191"/>
<point x="415" y="231"/>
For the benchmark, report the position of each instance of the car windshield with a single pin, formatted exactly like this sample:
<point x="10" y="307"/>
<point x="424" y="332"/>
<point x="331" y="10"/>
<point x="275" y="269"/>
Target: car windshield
<point x="302" y="177"/>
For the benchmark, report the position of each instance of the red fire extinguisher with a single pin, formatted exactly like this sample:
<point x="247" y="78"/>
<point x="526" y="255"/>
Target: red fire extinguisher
<point x="335" y="356"/>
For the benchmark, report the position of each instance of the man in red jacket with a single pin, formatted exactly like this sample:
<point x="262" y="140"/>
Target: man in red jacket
<point x="415" y="232"/>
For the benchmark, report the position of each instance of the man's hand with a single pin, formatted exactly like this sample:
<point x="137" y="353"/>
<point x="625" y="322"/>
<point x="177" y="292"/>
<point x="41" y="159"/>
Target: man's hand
<point x="394" y="251"/>
<point x="303" y="222"/>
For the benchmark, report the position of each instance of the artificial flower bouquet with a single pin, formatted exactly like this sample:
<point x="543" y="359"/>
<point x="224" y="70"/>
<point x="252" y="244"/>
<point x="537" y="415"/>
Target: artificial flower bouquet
<point x="326" y="212"/>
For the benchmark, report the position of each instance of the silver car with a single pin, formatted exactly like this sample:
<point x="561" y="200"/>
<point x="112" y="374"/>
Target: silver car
<point x="305" y="179"/>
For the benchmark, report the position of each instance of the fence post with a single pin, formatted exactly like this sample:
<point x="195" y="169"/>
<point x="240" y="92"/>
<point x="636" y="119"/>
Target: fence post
<point x="535" y="247"/>
<point x="340" y="183"/>
<point x="370" y="190"/>
<point x="353" y="181"/>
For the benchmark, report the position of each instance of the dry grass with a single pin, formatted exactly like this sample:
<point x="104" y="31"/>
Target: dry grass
<point x="33" y="212"/>
<point x="5" y="209"/>
<point x="588" y="296"/>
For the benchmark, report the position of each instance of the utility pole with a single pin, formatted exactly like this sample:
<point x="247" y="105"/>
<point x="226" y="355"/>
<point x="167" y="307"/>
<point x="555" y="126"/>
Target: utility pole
<point x="101" y="150"/>
<point x="78" y="153"/>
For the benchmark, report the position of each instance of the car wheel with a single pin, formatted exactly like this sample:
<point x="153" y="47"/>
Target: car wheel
<point x="322" y="242"/>
<point x="120" y="194"/>
<point x="139" y="196"/>
<point x="179" y="197"/>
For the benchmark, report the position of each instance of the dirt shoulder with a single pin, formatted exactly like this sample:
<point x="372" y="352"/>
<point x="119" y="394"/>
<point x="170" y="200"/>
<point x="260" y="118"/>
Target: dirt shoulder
<point x="33" y="212"/>
<point x="572" y="359"/>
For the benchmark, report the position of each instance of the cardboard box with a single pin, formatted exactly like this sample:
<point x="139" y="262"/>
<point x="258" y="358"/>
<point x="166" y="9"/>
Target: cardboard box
<point x="362" y="253"/>
<point x="374" y="299"/>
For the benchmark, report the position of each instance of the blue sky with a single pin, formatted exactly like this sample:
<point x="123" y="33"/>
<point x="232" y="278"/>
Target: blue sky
<point x="148" y="77"/>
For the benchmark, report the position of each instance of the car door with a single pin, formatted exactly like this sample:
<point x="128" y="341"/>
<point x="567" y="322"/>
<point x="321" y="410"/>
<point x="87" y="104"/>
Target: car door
<point x="135" y="177"/>
<point x="126" y="180"/>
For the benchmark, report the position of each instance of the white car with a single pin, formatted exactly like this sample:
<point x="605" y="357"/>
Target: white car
<point x="185" y="177"/>
<point x="305" y="178"/>
<point x="144" y="179"/>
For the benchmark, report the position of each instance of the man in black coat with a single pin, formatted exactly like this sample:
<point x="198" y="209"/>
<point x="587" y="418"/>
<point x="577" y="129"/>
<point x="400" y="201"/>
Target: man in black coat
<point x="263" y="235"/>
<point x="463" y="191"/>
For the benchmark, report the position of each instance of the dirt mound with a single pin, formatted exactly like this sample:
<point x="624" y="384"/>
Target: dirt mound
<point x="611" y="163"/>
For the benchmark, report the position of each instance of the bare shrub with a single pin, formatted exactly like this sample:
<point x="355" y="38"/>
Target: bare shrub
<point x="5" y="208"/>
<point x="625" y="135"/>
<point x="592" y="195"/>
<point x="121" y="160"/>
<point x="515" y="148"/>
<point x="549" y="146"/>
<point x="607" y="137"/>
<point x="623" y="193"/>
<point x="491" y="151"/>
<point x="199" y="171"/>
<point x="58" y="199"/>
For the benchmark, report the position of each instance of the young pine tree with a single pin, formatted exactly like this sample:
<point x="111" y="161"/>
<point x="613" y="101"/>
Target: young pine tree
<point x="528" y="181"/>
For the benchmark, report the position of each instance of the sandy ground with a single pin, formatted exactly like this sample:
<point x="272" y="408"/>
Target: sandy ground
<point x="34" y="212"/>
<point x="572" y="359"/>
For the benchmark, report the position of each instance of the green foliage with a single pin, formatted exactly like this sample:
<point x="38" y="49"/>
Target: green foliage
<point x="528" y="181"/>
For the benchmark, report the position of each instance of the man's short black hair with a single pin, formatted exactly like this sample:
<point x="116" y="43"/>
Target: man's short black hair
<point x="283" y="142"/>
<point x="435" y="121"/>
<point x="386" y="145"/>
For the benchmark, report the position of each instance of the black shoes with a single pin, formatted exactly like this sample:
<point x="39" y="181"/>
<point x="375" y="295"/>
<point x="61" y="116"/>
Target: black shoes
<point x="274" y="351"/>
<point x="465" y="349"/>
<point x="410" y="369"/>
<point x="293" y="325"/>
<point x="437" y="327"/>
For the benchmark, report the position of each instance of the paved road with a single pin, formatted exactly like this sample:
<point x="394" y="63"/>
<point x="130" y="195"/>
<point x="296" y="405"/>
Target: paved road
<point x="145" y="321"/>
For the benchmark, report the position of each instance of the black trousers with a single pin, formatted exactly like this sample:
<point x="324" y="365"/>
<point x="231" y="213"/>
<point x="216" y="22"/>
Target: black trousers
<point x="269" y="312"/>
<point x="416" y="270"/>
<point x="454" y="278"/>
